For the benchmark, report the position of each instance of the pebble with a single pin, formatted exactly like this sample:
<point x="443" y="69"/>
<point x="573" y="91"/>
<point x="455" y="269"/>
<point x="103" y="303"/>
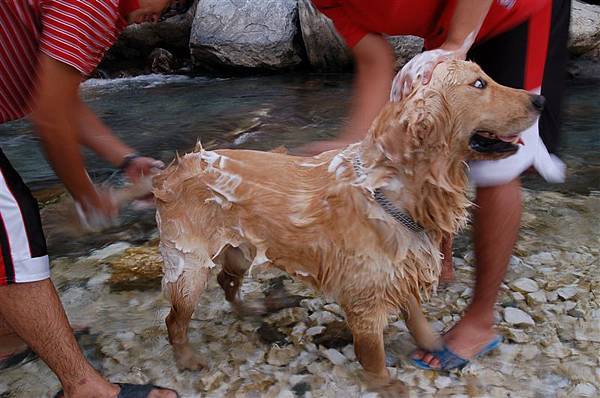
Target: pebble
<point x="336" y="357"/>
<point x="515" y="316"/>
<point x="525" y="285"/>
<point x="567" y="292"/>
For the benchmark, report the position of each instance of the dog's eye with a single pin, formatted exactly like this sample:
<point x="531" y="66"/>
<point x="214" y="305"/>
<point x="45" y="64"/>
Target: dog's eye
<point x="479" y="83"/>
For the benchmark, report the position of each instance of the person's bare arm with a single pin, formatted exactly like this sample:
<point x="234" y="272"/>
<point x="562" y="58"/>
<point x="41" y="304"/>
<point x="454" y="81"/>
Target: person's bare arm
<point x="374" y="64"/>
<point x="374" y="59"/>
<point x="55" y="105"/>
<point x="464" y="27"/>
<point x="97" y="136"/>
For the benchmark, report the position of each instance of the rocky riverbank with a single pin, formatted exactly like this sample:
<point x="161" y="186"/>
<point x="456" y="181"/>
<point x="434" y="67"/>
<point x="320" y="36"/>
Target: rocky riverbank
<point x="279" y="35"/>
<point x="549" y="316"/>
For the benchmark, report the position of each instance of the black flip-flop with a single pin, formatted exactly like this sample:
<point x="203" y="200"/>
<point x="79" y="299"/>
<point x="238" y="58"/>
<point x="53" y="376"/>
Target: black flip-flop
<point x="133" y="390"/>
<point x="17" y="359"/>
<point x="27" y="355"/>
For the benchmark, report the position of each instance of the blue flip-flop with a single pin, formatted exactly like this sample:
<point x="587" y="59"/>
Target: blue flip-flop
<point x="450" y="360"/>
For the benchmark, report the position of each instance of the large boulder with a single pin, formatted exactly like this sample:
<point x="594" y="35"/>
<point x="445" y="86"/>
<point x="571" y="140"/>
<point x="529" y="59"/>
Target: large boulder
<point x="239" y="34"/>
<point x="405" y="48"/>
<point x="585" y="28"/>
<point x="325" y="49"/>
<point x="138" y="42"/>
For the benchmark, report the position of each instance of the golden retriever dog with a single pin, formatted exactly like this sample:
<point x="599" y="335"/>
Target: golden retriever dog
<point x="362" y="225"/>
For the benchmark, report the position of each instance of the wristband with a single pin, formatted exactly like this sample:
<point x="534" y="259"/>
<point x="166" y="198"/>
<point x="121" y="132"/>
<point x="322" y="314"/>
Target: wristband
<point x="127" y="159"/>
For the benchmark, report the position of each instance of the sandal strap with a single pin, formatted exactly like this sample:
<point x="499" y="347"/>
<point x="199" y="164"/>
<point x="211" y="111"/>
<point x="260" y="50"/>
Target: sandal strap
<point x="139" y="390"/>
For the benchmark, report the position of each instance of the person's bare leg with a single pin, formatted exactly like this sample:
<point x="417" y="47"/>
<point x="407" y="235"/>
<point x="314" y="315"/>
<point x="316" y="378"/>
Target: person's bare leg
<point x="497" y="218"/>
<point x="10" y="343"/>
<point x="34" y="312"/>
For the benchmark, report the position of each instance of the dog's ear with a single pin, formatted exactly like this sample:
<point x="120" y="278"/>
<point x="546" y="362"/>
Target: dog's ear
<point x="413" y="129"/>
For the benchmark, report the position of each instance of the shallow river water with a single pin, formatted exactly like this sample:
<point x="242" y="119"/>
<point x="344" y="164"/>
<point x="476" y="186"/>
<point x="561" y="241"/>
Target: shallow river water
<point x="110" y="282"/>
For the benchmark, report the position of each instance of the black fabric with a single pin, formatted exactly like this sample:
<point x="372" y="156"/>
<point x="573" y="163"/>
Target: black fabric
<point x="553" y="86"/>
<point x="29" y="210"/>
<point x="131" y="390"/>
<point x="503" y="58"/>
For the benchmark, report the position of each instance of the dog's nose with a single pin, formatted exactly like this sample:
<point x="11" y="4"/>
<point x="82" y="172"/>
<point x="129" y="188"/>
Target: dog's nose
<point x="538" y="102"/>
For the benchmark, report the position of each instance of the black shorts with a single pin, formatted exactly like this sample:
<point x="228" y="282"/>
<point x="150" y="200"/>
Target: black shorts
<point x="23" y="253"/>
<point x="511" y="59"/>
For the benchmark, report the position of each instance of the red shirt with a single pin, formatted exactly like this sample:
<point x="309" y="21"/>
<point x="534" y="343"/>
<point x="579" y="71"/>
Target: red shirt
<point x="428" y="19"/>
<point x="75" y="32"/>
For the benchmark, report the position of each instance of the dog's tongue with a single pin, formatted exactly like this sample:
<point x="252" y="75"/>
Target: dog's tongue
<point x="515" y="139"/>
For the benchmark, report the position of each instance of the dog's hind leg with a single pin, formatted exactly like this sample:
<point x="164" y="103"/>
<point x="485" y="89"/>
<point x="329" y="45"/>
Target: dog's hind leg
<point x="184" y="295"/>
<point x="420" y="328"/>
<point x="234" y="266"/>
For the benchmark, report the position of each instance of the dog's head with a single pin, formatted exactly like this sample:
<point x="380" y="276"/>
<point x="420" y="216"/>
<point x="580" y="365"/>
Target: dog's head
<point x="462" y="113"/>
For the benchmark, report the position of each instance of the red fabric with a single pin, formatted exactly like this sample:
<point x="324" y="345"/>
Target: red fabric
<point x="128" y="6"/>
<point x="539" y="32"/>
<point x="75" y="32"/>
<point x="429" y="19"/>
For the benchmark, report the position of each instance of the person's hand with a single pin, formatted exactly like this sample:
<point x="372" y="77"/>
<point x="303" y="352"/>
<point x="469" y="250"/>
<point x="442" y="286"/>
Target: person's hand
<point x="98" y="210"/>
<point x="421" y="68"/>
<point x="317" y="147"/>
<point x="140" y="166"/>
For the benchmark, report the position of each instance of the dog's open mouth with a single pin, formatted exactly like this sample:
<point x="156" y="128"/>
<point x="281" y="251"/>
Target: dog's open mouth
<point x="488" y="142"/>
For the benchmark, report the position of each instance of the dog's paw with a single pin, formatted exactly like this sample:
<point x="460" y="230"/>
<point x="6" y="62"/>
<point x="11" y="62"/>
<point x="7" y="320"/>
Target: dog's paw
<point x="390" y="388"/>
<point x="187" y="359"/>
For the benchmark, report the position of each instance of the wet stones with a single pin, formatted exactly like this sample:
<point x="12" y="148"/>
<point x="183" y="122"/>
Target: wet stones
<point x="515" y="316"/>
<point x="524" y="285"/>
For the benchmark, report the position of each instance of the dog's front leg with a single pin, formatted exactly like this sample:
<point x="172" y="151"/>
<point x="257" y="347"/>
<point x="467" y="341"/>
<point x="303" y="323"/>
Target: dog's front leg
<point x="370" y="351"/>
<point x="184" y="295"/>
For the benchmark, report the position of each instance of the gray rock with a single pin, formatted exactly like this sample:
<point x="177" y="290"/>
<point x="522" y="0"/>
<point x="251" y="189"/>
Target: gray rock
<point x="405" y="48"/>
<point x="518" y="336"/>
<point x="161" y="61"/>
<point x="585" y="28"/>
<point x="172" y="34"/>
<point x="538" y="297"/>
<point x="567" y="292"/>
<point x="524" y="285"/>
<point x="515" y="316"/>
<point x="584" y="390"/>
<point x="242" y="34"/>
<point x="281" y="356"/>
<point x="325" y="49"/>
<point x="334" y="356"/>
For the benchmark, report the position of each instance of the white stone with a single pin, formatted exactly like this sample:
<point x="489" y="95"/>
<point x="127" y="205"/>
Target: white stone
<point x="323" y="317"/>
<point x="285" y="394"/>
<point x="515" y="316"/>
<point x="584" y="390"/>
<point x="524" y="285"/>
<point x="567" y="292"/>
<point x="538" y="297"/>
<point x="314" y="330"/>
<point x="336" y="357"/>
<point x="109" y="250"/>
<point x="442" y="382"/>
<point x="518" y="296"/>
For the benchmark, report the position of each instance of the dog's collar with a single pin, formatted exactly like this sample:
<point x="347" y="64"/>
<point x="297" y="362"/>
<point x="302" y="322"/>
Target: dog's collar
<point x="391" y="209"/>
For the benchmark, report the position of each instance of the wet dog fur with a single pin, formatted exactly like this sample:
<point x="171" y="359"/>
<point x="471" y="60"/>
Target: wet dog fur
<point x="315" y="217"/>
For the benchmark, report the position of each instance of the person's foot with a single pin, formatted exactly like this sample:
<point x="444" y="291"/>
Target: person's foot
<point x="466" y="339"/>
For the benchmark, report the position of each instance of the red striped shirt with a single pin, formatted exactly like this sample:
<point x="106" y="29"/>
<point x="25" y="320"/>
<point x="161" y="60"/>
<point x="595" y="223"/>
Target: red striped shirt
<point x="75" y="32"/>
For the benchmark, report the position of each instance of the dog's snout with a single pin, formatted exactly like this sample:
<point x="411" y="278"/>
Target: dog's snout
<point x="538" y="102"/>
